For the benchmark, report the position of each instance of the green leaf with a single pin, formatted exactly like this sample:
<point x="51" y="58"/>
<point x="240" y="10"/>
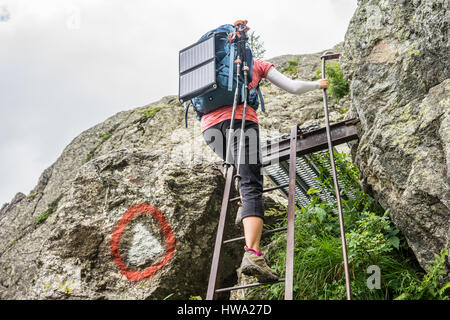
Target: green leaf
<point x="445" y="287"/>
<point x="321" y="214"/>
<point x="168" y="296"/>
<point x="403" y="296"/>
<point x="312" y="191"/>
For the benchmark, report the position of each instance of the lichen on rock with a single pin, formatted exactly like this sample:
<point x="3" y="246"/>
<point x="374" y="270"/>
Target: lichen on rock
<point x="396" y="58"/>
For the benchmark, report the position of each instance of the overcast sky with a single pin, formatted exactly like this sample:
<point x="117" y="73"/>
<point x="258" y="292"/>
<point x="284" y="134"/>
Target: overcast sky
<point x="67" y="65"/>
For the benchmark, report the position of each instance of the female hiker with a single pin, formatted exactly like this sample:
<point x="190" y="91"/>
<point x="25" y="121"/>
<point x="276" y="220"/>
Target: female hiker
<point x="214" y="127"/>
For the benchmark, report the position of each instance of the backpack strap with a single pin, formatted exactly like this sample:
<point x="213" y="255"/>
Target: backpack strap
<point x="186" y="108"/>
<point x="231" y="68"/>
<point x="260" y="96"/>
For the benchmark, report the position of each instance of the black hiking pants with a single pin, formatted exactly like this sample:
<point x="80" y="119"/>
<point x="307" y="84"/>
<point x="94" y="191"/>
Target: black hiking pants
<point x="251" y="182"/>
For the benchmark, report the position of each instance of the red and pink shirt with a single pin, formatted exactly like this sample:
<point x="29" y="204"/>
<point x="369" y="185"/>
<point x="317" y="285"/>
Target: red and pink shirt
<point x="260" y="70"/>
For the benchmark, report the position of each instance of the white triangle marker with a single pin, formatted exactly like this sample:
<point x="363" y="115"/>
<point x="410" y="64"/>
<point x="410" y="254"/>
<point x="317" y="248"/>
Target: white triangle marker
<point x="143" y="245"/>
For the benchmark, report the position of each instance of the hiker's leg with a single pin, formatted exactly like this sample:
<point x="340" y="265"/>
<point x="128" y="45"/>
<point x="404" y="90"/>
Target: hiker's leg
<point x="251" y="183"/>
<point x="251" y="186"/>
<point x="252" y="231"/>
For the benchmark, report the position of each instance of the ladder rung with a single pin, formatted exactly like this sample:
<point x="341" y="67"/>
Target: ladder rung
<point x="265" y="190"/>
<point x="258" y="284"/>
<point x="263" y="234"/>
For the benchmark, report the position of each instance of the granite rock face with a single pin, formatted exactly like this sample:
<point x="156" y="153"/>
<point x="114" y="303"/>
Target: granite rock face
<point x="396" y="56"/>
<point x="128" y="211"/>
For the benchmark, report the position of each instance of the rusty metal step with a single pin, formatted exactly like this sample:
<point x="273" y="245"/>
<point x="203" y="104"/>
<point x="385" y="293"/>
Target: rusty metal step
<point x="264" y="233"/>
<point x="265" y="190"/>
<point x="251" y="285"/>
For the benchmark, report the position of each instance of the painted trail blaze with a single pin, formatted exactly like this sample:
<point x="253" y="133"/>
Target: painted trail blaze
<point x="133" y="212"/>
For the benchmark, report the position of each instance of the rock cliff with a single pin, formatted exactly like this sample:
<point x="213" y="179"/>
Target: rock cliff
<point x="396" y="56"/>
<point x="128" y="211"/>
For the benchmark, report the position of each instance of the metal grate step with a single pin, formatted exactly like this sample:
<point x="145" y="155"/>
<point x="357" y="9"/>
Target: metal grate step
<point x="307" y="175"/>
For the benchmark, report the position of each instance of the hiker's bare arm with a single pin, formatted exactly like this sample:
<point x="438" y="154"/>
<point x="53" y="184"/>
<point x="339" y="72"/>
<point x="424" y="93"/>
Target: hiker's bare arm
<point x="294" y="86"/>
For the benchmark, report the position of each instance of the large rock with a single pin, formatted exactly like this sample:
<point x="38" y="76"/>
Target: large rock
<point x="396" y="55"/>
<point x="128" y="211"/>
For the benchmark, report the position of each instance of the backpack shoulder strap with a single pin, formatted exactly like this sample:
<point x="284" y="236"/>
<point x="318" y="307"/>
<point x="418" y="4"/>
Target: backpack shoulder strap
<point x="258" y="91"/>
<point x="231" y="68"/>
<point x="186" y="108"/>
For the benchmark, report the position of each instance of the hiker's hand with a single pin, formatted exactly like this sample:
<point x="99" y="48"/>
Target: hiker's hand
<point x="323" y="83"/>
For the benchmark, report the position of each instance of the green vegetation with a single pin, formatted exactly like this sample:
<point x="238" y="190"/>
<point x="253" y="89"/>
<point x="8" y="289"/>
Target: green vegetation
<point x="343" y="110"/>
<point x="103" y="137"/>
<point x="339" y="87"/>
<point x="167" y="297"/>
<point x="44" y="215"/>
<point x="372" y="240"/>
<point x="432" y="286"/>
<point x="90" y="155"/>
<point x="256" y="45"/>
<point x="65" y="287"/>
<point x="292" y="67"/>
<point x="106" y="136"/>
<point x="31" y="196"/>
<point x="148" y="113"/>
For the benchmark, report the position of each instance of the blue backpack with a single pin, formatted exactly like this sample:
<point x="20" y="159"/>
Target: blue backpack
<point x="223" y="95"/>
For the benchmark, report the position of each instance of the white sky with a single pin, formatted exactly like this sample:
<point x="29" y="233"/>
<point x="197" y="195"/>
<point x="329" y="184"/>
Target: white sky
<point x="67" y="65"/>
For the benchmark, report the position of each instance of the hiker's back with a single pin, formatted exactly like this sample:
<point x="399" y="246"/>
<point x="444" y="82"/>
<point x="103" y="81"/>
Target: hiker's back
<point x="226" y="54"/>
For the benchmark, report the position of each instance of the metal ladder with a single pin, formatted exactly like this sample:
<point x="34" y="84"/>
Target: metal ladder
<point x="298" y="143"/>
<point x="216" y="262"/>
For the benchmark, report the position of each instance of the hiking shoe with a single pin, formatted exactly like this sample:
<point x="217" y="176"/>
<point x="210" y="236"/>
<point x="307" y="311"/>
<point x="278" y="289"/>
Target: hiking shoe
<point x="256" y="266"/>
